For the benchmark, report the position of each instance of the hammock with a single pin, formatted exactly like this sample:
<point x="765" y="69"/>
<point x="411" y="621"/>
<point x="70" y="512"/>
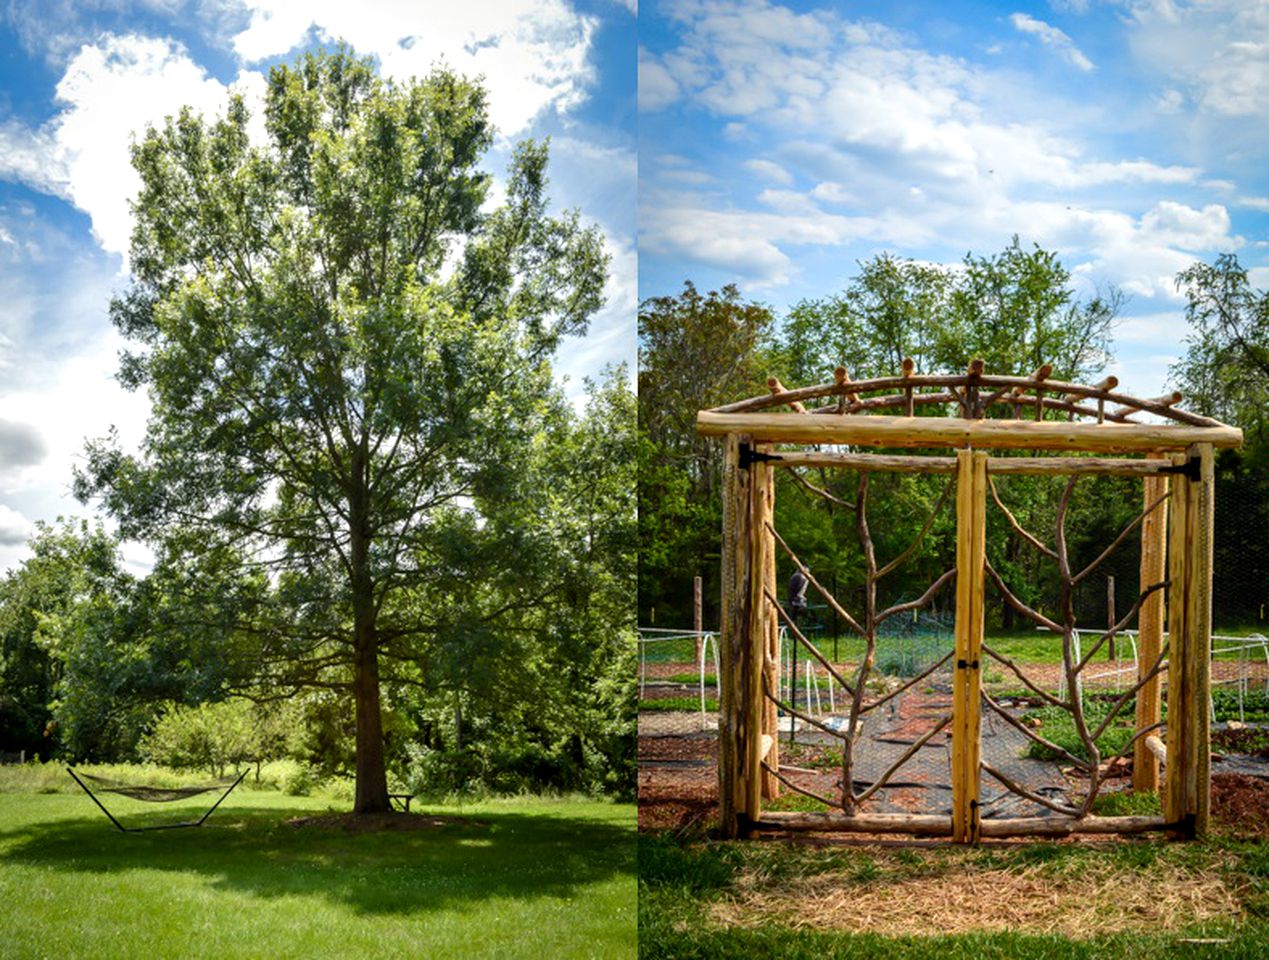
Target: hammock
<point x="154" y="795"/>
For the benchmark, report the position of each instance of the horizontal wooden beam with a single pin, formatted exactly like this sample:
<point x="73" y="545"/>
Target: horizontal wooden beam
<point x="934" y="825"/>
<point x="884" y="431"/>
<point x="913" y="823"/>
<point x="1025" y="466"/>
<point x="870" y="462"/>
<point x="1065" y="826"/>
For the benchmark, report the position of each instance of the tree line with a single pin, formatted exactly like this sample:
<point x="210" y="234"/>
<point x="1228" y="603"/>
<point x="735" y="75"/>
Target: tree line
<point x="1016" y="309"/>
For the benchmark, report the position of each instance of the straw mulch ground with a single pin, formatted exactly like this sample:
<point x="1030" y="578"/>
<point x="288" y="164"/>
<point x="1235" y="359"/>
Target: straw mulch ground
<point x="1075" y="898"/>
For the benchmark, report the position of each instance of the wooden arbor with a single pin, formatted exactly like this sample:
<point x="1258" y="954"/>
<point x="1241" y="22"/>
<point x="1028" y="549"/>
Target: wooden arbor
<point x="989" y="413"/>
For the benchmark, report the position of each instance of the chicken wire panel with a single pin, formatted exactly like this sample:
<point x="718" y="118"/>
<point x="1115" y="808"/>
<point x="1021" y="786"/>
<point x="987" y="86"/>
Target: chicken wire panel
<point x="1054" y="732"/>
<point x="896" y="754"/>
<point x="677" y="726"/>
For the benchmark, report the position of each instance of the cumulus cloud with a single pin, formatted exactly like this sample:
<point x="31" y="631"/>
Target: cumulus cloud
<point x="20" y="445"/>
<point x="1216" y="51"/>
<point x="1052" y="37"/>
<point x="532" y="53"/>
<point x="768" y="170"/>
<point x="111" y="91"/>
<point x="927" y="150"/>
<point x="15" y="529"/>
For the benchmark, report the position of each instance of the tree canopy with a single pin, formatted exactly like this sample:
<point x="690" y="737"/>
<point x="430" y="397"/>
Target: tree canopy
<point x="347" y="347"/>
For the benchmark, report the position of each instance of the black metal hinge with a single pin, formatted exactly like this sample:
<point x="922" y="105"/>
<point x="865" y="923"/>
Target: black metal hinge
<point x="964" y="664"/>
<point x="749" y="456"/>
<point x="1192" y="469"/>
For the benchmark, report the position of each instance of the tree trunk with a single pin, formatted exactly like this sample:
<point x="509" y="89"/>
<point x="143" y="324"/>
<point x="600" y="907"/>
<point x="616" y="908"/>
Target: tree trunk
<point x="372" y="778"/>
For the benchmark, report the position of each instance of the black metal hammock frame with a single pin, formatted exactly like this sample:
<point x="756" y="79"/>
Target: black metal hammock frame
<point x="154" y="795"/>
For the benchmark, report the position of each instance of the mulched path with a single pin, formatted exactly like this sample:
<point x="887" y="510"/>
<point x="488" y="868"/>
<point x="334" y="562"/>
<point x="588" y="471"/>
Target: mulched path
<point x="1240" y="804"/>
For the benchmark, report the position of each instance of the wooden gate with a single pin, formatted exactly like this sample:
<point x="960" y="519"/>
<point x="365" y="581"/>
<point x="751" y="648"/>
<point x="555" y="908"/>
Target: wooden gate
<point x="749" y="749"/>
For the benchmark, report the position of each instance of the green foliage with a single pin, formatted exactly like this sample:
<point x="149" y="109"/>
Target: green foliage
<point x="1225" y="372"/>
<point x="1014" y="310"/>
<point x="81" y="667"/>
<point x="695" y="351"/>
<point x="214" y="736"/>
<point x="1057" y="725"/>
<point x="1254" y="706"/>
<point x="358" y="476"/>
<point x="1125" y="803"/>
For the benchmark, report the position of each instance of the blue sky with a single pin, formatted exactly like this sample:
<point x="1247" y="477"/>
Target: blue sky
<point x="781" y="143"/>
<point x="77" y="78"/>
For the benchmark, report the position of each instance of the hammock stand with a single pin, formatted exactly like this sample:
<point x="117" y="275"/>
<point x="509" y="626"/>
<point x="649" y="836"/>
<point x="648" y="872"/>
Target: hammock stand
<point x="154" y="795"/>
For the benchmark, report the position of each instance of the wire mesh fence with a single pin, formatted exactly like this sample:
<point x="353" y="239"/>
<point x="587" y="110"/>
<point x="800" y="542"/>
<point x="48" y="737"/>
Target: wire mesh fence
<point x="1060" y="673"/>
<point x="678" y="726"/>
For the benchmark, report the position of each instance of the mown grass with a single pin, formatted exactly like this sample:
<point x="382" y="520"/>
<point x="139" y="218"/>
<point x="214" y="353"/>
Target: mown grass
<point x="681" y="883"/>
<point x="522" y="877"/>
<point x="679" y="703"/>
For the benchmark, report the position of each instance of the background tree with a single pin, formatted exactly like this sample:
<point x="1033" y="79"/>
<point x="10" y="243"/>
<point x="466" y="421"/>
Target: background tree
<point x="1225" y="374"/>
<point x="1015" y="309"/>
<point x="344" y="353"/>
<point x="695" y="351"/>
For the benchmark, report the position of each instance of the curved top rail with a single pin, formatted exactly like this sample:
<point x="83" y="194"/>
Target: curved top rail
<point x="1033" y="393"/>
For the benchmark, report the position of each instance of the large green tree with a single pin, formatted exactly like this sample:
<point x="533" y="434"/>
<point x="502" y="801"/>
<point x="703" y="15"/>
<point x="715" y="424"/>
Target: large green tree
<point x="1225" y="372"/>
<point x="345" y="350"/>
<point x="695" y="351"/>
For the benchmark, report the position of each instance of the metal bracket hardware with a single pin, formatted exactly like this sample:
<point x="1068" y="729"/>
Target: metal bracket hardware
<point x="750" y="456"/>
<point x="1192" y="469"/>
<point x="966" y="664"/>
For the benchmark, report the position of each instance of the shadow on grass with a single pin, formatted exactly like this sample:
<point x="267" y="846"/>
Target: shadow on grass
<point x="253" y="850"/>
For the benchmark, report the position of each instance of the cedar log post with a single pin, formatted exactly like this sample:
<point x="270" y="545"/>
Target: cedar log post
<point x="756" y="638"/>
<point x="732" y="619"/>
<point x="971" y="510"/>
<point x="1150" y="620"/>
<point x="771" y="665"/>
<point x="1189" y="646"/>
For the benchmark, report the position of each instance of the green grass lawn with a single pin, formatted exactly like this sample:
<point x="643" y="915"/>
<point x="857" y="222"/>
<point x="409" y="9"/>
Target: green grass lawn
<point x="527" y="877"/>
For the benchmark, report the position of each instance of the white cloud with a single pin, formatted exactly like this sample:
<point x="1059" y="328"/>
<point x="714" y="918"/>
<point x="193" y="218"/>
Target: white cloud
<point x="14" y="527"/>
<point x="1052" y="37"/>
<point x="932" y="154"/>
<point x="1153" y="329"/>
<point x="746" y="244"/>
<point x="1216" y="51"/>
<point x="657" y="88"/>
<point x="532" y="53"/>
<point x="1176" y="225"/>
<point x="29" y="156"/>
<point x="111" y="91"/>
<point x="768" y="170"/>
